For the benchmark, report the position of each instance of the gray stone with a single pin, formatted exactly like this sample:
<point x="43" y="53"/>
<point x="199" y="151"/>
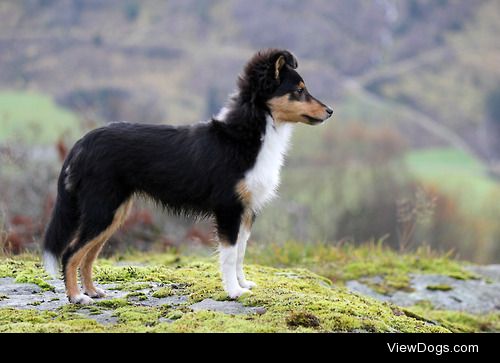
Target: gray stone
<point x="7" y="280"/>
<point x="105" y="317"/>
<point x="227" y="307"/>
<point x="174" y="300"/>
<point x="10" y="287"/>
<point x="475" y="296"/>
<point x="492" y="272"/>
<point x="31" y="296"/>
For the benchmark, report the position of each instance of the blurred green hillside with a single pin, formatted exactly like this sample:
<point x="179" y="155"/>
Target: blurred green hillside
<point x="35" y="119"/>
<point x="411" y="154"/>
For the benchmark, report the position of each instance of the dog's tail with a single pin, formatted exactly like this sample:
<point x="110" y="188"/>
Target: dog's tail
<point x="64" y="220"/>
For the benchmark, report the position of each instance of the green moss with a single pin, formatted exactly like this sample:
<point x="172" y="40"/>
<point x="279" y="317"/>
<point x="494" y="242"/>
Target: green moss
<point x="163" y="292"/>
<point x="112" y="303"/>
<point x="136" y="296"/>
<point x="457" y="321"/>
<point x="169" y="258"/>
<point x="94" y="310"/>
<point x="131" y="286"/>
<point x="138" y="315"/>
<point x="25" y="269"/>
<point x="390" y="284"/>
<point x="295" y="300"/>
<point x="174" y="315"/>
<point x="29" y="278"/>
<point x="209" y="321"/>
<point x="281" y="292"/>
<point x="441" y="287"/>
<point x="72" y="308"/>
<point x="302" y="318"/>
<point x="14" y="320"/>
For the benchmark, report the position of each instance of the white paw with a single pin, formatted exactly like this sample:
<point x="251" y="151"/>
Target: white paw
<point x="80" y="299"/>
<point x="237" y="292"/>
<point x="246" y="284"/>
<point x="96" y="293"/>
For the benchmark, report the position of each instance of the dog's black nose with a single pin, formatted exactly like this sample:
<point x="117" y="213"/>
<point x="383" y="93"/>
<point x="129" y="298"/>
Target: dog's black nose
<point x="329" y="111"/>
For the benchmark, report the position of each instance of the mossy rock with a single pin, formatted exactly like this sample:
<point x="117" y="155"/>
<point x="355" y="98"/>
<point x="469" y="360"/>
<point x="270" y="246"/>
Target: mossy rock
<point x="295" y="300"/>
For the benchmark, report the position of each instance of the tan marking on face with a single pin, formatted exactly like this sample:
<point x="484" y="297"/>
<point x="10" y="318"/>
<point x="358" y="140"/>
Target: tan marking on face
<point x="243" y="193"/>
<point x="285" y="110"/>
<point x="87" y="254"/>
<point x="302" y="85"/>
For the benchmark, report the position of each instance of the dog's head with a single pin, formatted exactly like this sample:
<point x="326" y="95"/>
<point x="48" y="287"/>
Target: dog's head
<point x="270" y="80"/>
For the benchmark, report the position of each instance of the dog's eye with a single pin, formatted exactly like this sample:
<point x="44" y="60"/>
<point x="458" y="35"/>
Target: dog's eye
<point x="300" y="91"/>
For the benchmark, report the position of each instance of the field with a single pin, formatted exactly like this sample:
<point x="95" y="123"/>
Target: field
<point x="454" y="172"/>
<point x="34" y="119"/>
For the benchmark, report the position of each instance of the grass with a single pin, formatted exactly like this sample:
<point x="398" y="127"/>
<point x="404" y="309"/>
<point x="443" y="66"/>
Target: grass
<point x="341" y="263"/>
<point x="34" y="119"/>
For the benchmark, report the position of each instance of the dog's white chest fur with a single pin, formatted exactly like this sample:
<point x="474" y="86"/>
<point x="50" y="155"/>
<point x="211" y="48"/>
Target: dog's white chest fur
<point x="263" y="179"/>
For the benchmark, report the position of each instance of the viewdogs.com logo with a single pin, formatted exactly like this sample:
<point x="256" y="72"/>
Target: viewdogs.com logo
<point x="437" y="349"/>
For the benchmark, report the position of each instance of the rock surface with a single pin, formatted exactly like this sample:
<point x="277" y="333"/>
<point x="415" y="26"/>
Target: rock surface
<point x="227" y="307"/>
<point x="189" y="298"/>
<point x="477" y="296"/>
<point x="31" y="296"/>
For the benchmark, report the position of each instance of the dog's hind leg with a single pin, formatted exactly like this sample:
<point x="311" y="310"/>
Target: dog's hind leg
<point x="228" y="224"/>
<point x="97" y="225"/>
<point x="87" y="262"/>
<point x="89" y="288"/>
<point x="72" y="259"/>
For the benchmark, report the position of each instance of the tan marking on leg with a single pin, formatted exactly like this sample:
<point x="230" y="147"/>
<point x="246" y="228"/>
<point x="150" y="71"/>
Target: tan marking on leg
<point x="243" y="193"/>
<point x="86" y="268"/>
<point x="247" y="219"/>
<point x="70" y="272"/>
<point x="97" y="245"/>
<point x="222" y="240"/>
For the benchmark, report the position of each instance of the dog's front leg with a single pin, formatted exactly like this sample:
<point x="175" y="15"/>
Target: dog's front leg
<point x="243" y="235"/>
<point x="228" y="225"/>
<point x="228" y="256"/>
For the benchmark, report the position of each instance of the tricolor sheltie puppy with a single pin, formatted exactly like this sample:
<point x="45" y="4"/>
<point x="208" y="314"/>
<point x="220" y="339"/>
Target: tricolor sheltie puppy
<point x="227" y="168"/>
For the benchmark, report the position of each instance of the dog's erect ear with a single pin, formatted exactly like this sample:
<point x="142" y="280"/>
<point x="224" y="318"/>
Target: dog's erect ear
<point x="287" y="58"/>
<point x="279" y="64"/>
